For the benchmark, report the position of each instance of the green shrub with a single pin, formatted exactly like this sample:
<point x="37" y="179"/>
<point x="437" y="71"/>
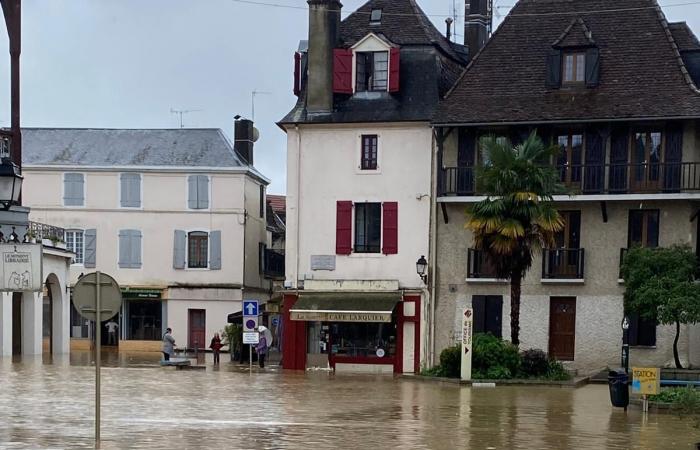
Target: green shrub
<point x="556" y="372"/>
<point x="535" y="363"/>
<point x="492" y="356"/>
<point x="451" y="361"/>
<point x="432" y="372"/>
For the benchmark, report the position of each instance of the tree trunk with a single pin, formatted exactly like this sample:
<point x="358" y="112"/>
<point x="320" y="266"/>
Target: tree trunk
<point x="515" y="281"/>
<point x="675" y="346"/>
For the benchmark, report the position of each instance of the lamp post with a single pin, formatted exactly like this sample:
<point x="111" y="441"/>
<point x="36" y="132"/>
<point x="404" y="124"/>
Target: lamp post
<point x="10" y="183"/>
<point x="625" y="358"/>
<point x="421" y="269"/>
<point x="12" y="11"/>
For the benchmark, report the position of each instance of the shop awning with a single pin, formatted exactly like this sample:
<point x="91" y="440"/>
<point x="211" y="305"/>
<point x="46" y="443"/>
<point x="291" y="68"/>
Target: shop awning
<point x="345" y="307"/>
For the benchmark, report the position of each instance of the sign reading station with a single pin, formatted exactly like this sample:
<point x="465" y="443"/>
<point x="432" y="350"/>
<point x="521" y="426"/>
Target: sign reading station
<point x="21" y="267"/>
<point x="646" y="380"/>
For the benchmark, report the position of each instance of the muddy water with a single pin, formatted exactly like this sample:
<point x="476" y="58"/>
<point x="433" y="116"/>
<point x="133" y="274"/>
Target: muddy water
<point x="51" y="406"/>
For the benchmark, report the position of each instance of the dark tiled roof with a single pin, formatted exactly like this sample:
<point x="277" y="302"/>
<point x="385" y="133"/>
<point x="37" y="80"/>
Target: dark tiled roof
<point x="641" y="74"/>
<point x="684" y="37"/>
<point x="576" y="34"/>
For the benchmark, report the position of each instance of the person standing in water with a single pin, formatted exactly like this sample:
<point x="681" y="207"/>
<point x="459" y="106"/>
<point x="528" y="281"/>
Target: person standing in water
<point x="168" y="344"/>
<point x="215" y="347"/>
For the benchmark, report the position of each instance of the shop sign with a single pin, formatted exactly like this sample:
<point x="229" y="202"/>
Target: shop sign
<point x="21" y="267"/>
<point x="646" y="380"/>
<point x="142" y="294"/>
<point x="339" y="316"/>
<point x="251" y="337"/>
<point x="467" y="329"/>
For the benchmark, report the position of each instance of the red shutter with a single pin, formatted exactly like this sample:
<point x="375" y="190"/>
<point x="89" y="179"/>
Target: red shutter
<point x="297" y="73"/>
<point x="342" y="71"/>
<point x="343" y="228"/>
<point x="394" y="70"/>
<point x="390" y="223"/>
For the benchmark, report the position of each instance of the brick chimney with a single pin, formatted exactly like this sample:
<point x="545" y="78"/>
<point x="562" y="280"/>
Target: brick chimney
<point x="324" y="23"/>
<point x="477" y="24"/>
<point x="244" y="136"/>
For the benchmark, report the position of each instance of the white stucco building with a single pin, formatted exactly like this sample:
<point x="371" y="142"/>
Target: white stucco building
<point x="177" y="217"/>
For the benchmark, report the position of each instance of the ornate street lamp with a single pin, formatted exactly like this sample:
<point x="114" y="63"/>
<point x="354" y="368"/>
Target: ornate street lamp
<point x="421" y="268"/>
<point x="10" y="183"/>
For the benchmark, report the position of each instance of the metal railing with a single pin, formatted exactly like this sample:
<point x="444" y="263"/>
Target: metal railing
<point x="563" y="263"/>
<point x="273" y="265"/>
<point x="627" y="178"/>
<point x="41" y="231"/>
<point x="478" y="265"/>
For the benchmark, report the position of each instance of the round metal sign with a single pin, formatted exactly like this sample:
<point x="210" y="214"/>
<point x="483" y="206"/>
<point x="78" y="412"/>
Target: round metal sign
<point x="85" y="293"/>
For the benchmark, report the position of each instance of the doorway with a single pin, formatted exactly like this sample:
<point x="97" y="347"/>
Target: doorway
<point x="646" y="161"/>
<point x="562" y="328"/>
<point x="197" y="328"/>
<point x="16" y="323"/>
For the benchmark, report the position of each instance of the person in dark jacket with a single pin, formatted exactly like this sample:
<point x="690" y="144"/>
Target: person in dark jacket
<point x="168" y="344"/>
<point x="261" y="350"/>
<point x="215" y="347"/>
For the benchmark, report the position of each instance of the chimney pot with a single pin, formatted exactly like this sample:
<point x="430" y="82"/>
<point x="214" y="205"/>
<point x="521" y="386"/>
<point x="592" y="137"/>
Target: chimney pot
<point x="244" y="139"/>
<point x="324" y="24"/>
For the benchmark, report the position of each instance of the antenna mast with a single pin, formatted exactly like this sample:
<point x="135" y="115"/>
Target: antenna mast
<point x="180" y="112"/>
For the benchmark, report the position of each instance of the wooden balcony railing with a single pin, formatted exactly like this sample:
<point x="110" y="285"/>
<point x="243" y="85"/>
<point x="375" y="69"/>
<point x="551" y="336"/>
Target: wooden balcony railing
<point x="563" y="263"/>
<point x="273" y="263"/>
<point x="589" y="179"/>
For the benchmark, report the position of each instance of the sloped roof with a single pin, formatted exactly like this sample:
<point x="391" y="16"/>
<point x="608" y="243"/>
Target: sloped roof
<point x="641" y="73"/>
<point x="277" y="202"/>
<point x="182" y="147"/>
<point x="576" y="34"/>
<point x="684" y="36"/>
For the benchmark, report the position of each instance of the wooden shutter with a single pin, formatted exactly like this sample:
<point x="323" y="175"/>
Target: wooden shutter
<point x="342" y="71"/>
<point x="479" y="307"/>
<point x="466" y="145"/>
<point x="297" y="74"/>
<point x="124" y="249"/>
<point x="90" y="256"/>
<point x="135" y="249"/>
<point x="394" y="66"/>
<point x="179" y="244"/>
<point x="619" y="138"/>
<point x="130" y="190"/>
<point x="73" y="189"/>
<point x="215" y="250"/>
<point x="390" y="224"/>
<point x="343" y="228"/>
<point x="202" y="192"/>
<point x="494" y="314"/>
<point x="595" y="158"/>
<point x="192" y="192"/>
<point x="553" y="77"/>
<point x="592" y="67"/>
<point x="673" y="155"/>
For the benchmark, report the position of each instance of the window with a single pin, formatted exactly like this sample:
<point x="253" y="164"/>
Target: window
<point x="363" y="340"/>
<point x="368" y="227"/>
<point x="375" y="17"/>
<point x="75" y="243"/>
<point x="129" y="249"/>
<point x="369" y="152"/>
<point x="574" y="68"/>
<point x="130" y="190"/>
<point x="197" y="250"/>
<point x="569" y="159"/>
<point x="488" y="311"/>
<point x="73" y="189"/>
<point x="372" y="71"/>
<point x="646" y="160"/>
<point x="262" y="201"/>
<point x="642" y="332"/>
<point x="198" y="191"/>
<point x="643" y="228"/>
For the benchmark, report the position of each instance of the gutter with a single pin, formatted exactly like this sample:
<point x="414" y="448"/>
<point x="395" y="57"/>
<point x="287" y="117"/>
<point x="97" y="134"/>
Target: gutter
<point x="296" y="257"/>
<point x="432" y="249"/>
<point x="561" y="121"/>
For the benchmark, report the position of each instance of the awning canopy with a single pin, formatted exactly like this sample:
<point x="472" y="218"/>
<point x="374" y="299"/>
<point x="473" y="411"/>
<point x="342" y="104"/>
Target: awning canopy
<point x="345" y="307"/>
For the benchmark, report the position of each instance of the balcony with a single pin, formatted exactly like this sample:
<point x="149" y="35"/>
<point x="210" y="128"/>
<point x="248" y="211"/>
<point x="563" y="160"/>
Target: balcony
<point x="273" y="264"/>
<point x="595" y="179"/>
<point x="478" y="267"/>
<point x="563" y="264"/>
<point x="41" y="231"/>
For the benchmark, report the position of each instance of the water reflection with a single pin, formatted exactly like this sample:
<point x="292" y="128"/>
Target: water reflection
<point x="51" y="405"/>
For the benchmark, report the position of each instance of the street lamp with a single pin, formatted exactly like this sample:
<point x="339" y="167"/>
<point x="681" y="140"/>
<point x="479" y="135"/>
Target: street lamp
<point x="421" y="268"/>
<point x="10" y="183"/>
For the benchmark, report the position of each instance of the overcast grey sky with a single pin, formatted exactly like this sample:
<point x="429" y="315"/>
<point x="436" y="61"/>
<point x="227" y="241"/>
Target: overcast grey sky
<point x="126" y="63"/>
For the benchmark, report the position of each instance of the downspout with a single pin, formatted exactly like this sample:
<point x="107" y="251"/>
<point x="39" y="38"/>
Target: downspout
<point x="296" y="260"/>
<point x="435" y="158"/>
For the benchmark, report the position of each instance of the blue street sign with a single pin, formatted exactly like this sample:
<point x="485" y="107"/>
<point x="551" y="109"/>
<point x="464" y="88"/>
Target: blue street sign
<point x="250" y="307"/>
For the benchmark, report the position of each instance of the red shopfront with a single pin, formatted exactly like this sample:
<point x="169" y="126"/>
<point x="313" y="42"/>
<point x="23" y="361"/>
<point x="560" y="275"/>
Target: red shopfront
<point x="348" y="330"/>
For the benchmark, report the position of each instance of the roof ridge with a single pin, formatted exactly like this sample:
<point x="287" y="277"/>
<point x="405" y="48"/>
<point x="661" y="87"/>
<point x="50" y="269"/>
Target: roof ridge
<point x="123" y="129"/>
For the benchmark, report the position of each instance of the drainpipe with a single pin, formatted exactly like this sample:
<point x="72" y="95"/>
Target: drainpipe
<point x="296" y="260"/>
<point x="433" y="244"/>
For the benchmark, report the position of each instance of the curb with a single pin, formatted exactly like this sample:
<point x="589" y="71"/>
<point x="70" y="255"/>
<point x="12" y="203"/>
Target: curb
<point x="573" y="383"/>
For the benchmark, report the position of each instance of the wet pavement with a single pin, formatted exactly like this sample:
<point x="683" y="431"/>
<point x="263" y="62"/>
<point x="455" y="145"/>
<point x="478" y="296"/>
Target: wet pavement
<point x="49" y="404"/>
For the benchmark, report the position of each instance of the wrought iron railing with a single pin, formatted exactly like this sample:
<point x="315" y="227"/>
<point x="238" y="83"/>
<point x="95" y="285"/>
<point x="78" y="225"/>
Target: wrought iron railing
<point x="273" y="263"/>
<point x="587" y="179"/>
<point x="563" y="263"/>
<point x="41" y="231"/>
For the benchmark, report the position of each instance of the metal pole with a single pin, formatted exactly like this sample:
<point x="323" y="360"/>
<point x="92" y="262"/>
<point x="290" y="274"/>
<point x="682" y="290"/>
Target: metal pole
<point x="250" y="357"/>
<point x="98" y="355"/>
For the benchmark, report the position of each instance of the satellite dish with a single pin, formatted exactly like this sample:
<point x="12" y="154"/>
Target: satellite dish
<point x="256" y="134"/>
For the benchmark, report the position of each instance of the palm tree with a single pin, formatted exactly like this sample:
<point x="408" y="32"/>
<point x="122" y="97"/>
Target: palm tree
<point x="517" y="217"/>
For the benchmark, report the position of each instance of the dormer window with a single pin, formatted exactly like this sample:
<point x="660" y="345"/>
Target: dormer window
<point x="574" y="68"/>
<point x="372" y="71"/>
<point x="375" y="17"/>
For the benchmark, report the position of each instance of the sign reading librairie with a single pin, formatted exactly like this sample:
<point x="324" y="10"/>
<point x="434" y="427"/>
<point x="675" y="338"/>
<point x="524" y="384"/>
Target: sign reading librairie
<point x="21" y="267"/>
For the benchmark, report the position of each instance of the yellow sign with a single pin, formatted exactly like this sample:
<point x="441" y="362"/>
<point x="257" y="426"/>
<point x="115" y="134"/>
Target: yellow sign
<point x="646" y="380"/>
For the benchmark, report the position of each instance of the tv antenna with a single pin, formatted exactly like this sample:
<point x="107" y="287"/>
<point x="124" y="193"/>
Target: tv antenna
<point x="180" y="112"/>
<point x="252" y="102"/>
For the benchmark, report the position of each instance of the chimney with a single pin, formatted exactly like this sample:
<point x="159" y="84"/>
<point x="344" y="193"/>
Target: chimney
<point x="477" y="24"/>
<point x="448" y="22"/>
<point x="244" y="135"/>
<point x="324" y="23"/>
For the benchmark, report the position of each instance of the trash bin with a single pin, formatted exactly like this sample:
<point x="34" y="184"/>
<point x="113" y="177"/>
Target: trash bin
<point x="618" y="381"/>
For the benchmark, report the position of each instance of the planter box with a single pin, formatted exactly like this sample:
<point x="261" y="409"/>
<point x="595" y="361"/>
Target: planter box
<point x="680" y="374"/>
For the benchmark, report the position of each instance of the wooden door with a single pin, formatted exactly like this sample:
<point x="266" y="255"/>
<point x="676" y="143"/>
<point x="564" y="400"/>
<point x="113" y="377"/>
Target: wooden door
<point x="646" y="161"/>
<point x="197" y="330"/>
<point x="562" y="328"/>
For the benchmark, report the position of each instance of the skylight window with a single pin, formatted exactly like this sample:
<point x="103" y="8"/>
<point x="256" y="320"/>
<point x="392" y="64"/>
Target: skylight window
<point x="376" y="16"/>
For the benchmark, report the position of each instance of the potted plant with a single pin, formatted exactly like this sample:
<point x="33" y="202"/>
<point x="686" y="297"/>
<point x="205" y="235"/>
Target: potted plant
<point x="58" y="242"/>
<point x="31" y="237"/>
<point x="233" y="337"/>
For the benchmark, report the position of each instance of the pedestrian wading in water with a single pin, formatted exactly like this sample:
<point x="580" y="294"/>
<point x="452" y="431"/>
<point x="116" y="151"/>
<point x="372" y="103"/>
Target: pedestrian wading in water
<point x="215" y="347"/>
<point x="168" y="344"/>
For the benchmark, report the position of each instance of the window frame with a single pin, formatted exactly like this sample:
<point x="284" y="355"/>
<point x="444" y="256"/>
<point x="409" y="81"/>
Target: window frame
<point x="366" y="163"/>
<point x="375" y="20"/>
<point x="371" y="63"/>
<point x="262" y="201"/>
<point x="577" y="56"/>
<point x="644" y="213"/>
<point x="119" y="182"/>
<point x="63" y="190"/>
<point x="635" y="324"/>
<point x="204" y="234"/>
<point x="75" y="231"/>
<point x="366" y="248"/>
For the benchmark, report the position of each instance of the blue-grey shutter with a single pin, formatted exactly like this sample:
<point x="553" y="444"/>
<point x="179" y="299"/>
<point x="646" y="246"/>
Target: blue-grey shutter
<point x="592" y="67"/>
<point x="180" y="242"/>
<point x="202" y="192"/>
<point x="73" y="189"/>
<point x="215" y="250"/>
<point x="90" y="256"/>
<point x="124" y="249"/>
<point x="135" y="251"/>
<point x="192" y="192"/>
<point x="553" y="77"/>
<point x="131" y="190"/>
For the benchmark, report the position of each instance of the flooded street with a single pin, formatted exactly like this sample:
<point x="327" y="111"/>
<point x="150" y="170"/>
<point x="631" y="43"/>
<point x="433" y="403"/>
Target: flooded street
<point x="51" y="406"/>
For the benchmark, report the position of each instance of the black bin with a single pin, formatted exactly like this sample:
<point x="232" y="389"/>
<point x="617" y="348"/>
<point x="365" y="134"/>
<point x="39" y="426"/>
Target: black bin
<point x="618" y="381"/>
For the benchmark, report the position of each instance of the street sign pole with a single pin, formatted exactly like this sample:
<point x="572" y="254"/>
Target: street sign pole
<point x="467" y="330"/>
<point x="250" y="356"/>
<point x="98" y="348"/>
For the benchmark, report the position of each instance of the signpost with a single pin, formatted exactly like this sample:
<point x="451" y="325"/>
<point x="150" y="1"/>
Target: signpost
<point x="20" y="267"/>
<point x="467" y="330"/>
<point x="97" y="297"/>
<point x="250" y="324"/>
<point x="646" y="381"/>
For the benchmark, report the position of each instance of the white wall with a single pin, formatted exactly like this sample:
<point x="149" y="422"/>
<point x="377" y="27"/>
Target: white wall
<point x="328" y="170"/>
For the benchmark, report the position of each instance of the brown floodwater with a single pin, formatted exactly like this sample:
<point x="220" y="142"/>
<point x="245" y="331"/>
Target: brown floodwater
<point x="50" y="404"/>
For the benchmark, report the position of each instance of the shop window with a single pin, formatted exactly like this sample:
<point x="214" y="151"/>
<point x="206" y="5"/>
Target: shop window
<point x="368" y="231"/>
<point x="197" y="250"/>
<point x="144" y="319"/>
<point x="363" y="340"/>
